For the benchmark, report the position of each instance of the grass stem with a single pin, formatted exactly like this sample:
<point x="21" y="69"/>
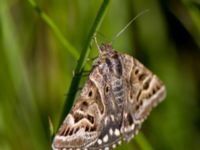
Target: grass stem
<point x="142" y="142"/>
<point x="71" y="49"/>
<point x="82" y="60"/>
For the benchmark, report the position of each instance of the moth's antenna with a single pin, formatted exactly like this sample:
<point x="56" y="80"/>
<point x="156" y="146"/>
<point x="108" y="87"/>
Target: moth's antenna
<point x="96" y="43"/>
<point x="131" y="21"/>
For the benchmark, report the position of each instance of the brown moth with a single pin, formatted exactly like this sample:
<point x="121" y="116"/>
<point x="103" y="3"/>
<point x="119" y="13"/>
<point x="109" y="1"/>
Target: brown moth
<point x="117" y="97"/>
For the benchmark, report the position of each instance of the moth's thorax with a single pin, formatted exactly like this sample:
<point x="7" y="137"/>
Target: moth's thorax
<point x="109" y="59"/>
<point x="109" y="72"/>
<point x="117" y="97"/>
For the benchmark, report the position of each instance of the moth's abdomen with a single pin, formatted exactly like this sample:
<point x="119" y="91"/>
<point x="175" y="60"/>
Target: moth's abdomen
<point x="118" y="90"/>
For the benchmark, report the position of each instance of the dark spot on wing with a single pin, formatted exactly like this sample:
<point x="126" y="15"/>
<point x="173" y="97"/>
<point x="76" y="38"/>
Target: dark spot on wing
<point x="146" y="84"/>
<point x="90" y="118"/>
<point x="130" y="119"/>
<point x="142" y="76"/>
<point x="108" y="62"/>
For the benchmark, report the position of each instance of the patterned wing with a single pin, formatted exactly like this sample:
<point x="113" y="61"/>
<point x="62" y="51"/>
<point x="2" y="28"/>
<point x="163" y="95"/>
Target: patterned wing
<point x="94" y="121"/>
<point x="82" y="125"/>
<point x="145" y="91"/>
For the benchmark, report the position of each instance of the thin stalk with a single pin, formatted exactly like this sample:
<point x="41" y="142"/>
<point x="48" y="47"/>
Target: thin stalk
<point x="55" y="29"/>
<point x="83" y="58"/>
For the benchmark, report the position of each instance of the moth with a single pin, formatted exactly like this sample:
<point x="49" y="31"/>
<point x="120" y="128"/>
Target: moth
<point x="117" y="97"/>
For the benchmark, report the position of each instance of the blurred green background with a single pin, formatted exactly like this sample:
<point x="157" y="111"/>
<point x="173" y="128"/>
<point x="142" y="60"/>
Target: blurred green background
<point x="36" y="68"/>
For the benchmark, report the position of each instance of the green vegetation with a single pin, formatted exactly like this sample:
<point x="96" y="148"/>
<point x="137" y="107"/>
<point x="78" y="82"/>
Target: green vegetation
<point x="42" y="42"/>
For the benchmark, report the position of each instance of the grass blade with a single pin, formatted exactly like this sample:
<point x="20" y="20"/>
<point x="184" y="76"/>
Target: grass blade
<point x="82" y="60"/>
<point x="71" y="49"/>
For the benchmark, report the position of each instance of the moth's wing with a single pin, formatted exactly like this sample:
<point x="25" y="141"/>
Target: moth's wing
<point x="94" y="122"/>
<point x="110" y="135"/>
<point x="80" y="128"/>
<point x="145" y="91"/>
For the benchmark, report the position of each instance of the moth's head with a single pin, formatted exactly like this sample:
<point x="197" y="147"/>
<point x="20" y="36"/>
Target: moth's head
<point x="82" y="124"/>
<point x="106" y="52"/>
<point x="105" y="48"/>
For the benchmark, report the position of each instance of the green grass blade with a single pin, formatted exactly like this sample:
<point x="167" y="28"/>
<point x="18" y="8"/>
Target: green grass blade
<point x="82" y="60"/>
<point x="142" y="142"/>
<point x="71" y="49"/>
<point x="23" y="94"/>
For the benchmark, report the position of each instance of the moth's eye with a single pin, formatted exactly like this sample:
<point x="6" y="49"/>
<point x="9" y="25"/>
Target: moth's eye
<point x="90" y="94"/>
